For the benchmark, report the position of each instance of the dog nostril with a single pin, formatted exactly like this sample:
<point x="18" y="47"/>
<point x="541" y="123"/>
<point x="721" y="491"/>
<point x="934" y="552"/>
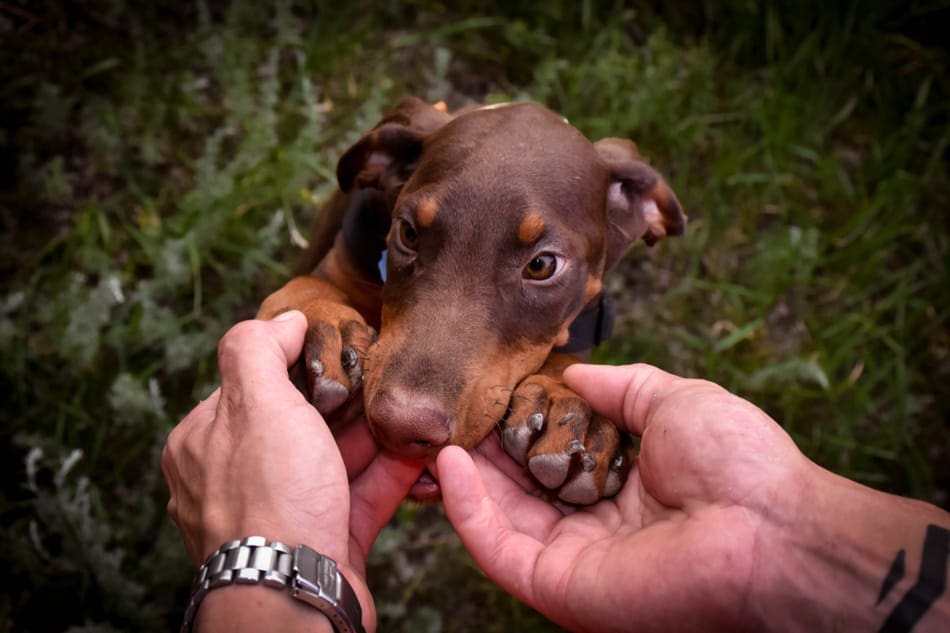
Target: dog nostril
<point x="422" y="444"/>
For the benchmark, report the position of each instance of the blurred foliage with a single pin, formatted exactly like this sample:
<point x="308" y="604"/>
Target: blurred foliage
<point x="156" y="163"/>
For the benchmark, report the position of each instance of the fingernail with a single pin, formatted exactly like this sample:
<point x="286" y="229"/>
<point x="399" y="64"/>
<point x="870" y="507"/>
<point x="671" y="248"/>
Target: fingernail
<point x="284" y="316"/>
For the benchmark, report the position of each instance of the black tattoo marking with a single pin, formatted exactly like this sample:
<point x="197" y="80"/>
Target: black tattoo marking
<point x="931" y="583"/>
<point x="894" y="576"/>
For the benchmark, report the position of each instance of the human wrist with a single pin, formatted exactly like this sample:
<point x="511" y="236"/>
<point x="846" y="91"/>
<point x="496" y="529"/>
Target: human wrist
<point x="827" y="561"/>
<point x="309" y="577"/>
<point x="241" y="608"/>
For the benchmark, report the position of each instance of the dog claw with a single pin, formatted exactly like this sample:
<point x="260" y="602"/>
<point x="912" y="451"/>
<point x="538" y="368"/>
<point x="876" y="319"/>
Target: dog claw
<point x="349" y="358"/>
<point x="536" y="422"/>
<point x="588" y="462"/>
<point x="617" y="473"/>
<point x="618" y="462"/>
<point x="573" y="447"/>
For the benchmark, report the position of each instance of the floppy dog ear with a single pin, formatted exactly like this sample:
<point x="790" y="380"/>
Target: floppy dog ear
<point x="385" y="157"/>
<point x="639" y="202"/>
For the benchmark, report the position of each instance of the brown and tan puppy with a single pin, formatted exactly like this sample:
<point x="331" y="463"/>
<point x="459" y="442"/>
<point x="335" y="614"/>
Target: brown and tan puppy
<point x="495" y="226"/>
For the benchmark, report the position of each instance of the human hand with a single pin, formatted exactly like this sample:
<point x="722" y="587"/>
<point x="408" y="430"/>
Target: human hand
<point x="256" y="458"/>
<point x="722" y="524"/>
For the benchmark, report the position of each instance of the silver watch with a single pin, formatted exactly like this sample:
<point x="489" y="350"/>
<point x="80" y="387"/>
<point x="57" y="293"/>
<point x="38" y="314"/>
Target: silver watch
<point x="311" y="576"/>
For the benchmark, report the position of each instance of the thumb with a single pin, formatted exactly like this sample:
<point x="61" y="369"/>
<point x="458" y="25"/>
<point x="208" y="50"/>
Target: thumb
<point x="507" y="556"/>
<point x="627" y="395"/>
<point x="288" y="329"/>
<point x="252" y="353"/>
<point x="376" y="493"/>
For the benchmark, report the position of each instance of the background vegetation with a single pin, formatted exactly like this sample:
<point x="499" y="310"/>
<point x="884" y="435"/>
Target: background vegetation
<point x="156" y="161"/>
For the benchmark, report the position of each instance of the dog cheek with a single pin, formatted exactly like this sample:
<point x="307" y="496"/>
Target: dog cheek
<point x="371" y="370"/>
<point x="485" y="402"/>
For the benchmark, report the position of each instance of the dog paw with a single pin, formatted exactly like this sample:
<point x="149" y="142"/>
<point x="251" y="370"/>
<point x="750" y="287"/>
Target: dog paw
<point x="565" y="446"/>
<point x="332" y="361"/>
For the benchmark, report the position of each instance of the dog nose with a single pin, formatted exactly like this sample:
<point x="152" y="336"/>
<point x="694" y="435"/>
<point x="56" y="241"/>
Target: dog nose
<point x="409" y="424"/>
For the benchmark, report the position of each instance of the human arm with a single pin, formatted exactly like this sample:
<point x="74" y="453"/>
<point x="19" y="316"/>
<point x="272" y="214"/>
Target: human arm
<point x="859" y="559"/>
<point x="256" y="459"/>
<point x="722" y="525"/>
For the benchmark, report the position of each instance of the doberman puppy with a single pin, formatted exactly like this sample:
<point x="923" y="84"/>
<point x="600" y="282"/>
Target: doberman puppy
<point x="494" y="226"/>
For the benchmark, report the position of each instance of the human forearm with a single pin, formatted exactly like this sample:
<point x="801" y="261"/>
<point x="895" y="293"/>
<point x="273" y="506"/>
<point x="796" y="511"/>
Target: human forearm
<point x="855" y="559"/>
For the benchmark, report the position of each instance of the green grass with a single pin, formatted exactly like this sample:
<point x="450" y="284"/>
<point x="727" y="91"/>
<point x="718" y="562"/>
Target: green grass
<point x="157" y="162"/>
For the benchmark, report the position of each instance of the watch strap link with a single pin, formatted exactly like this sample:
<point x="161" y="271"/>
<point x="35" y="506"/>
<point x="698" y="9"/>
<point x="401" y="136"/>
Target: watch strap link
<point x="312" y="578"/>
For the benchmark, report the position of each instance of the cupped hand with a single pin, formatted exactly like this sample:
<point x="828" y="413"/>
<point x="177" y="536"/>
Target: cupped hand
<point x="681" y="544"/>
<point x="256" y="458"/>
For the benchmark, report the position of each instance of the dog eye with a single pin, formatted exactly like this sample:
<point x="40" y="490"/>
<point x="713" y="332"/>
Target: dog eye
<point x="540" y="268"/>
<point x="408" y="236"/>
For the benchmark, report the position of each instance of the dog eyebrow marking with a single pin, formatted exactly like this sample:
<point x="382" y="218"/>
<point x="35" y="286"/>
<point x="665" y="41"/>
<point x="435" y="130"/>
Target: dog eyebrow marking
<point x="531" y="228"/>
<point x="592" y="287"/>
<point x="426" y="212"/>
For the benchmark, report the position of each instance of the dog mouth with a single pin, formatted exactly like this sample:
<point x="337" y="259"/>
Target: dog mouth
<point x="426" y="489"/>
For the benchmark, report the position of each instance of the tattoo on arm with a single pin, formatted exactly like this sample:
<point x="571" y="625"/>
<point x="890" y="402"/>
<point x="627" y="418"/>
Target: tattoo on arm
<point x="894" y="576"/>
<point x="930" y="585"/>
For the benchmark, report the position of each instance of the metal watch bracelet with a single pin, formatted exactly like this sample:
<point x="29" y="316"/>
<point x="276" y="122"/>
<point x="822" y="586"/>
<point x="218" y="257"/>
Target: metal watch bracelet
<point x="312" y="578"/>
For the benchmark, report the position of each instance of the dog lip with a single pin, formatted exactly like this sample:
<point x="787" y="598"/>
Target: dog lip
<point x="426" y="489"/>
<point x="414" y="452"/>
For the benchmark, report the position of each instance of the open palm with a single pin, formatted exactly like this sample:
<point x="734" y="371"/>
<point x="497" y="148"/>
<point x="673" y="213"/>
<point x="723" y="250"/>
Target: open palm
<point x="680" y="544"/>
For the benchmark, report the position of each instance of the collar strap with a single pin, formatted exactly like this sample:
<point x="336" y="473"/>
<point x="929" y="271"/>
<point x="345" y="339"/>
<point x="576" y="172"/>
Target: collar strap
<point x="591" y="327"/>
<point x="365" y="225"/>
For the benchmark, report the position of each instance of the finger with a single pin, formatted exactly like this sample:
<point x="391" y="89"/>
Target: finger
<point x="357" y="446"/>
<point x="491" y="449"/>
<point x="530" y="509"/>
<point x="501" y="551"/>
<point x="499" y="464"/>
<point x="626" y="395"/>
<point x="254" y="349"/>
<point x="376" y="493"/>
<point x="253" y="357"/>
<point x="182" y="449"/>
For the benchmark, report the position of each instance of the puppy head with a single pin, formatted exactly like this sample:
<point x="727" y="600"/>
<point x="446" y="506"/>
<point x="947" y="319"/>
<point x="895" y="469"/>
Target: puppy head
<point x="503" y="222"/>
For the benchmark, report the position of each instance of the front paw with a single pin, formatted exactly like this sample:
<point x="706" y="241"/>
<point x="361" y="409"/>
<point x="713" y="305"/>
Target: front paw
<point x="564" y="445"/>
<point x="330" y="369"/>
<point x="333" y="358"/>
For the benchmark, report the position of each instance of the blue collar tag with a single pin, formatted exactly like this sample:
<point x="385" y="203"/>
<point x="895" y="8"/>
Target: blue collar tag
<point x="382" y="265"/>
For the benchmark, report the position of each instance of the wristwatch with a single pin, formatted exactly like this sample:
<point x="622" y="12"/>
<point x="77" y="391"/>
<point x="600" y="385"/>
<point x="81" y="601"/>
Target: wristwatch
<point x="311" y="576"/>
